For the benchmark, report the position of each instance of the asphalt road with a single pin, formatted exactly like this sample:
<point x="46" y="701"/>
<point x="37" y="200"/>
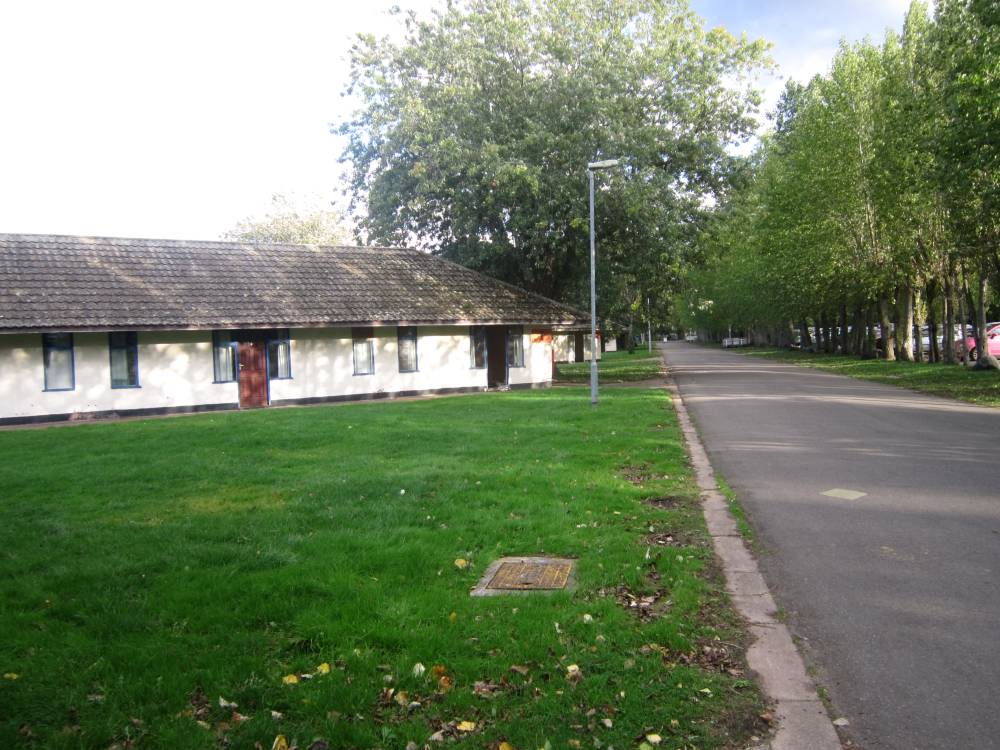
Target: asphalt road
<point x="896" y="593"/>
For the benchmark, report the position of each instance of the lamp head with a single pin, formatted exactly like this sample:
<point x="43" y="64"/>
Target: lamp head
<point x="606" y="164"/>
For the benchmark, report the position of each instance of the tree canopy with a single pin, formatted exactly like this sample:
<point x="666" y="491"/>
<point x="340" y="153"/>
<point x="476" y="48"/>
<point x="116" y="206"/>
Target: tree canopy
<point x="473" y="133"/>
<point x="287" y="223"/>
<point x="875" y="201"/>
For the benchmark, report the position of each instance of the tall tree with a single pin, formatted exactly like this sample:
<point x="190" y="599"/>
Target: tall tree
<point x="474" y="132"/>
<point x="287" y="223"/>
<point x="967" y="52"/>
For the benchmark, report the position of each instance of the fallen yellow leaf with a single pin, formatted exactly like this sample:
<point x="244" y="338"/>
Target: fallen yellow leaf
<point x="466" y="726"/>
<point x="453" y="617"/>
<point x="461" y="563"/>
<point x="323" y="668"/>
<point x="654" y="739"/>
<point x="290" y="679"/>
<point x="280" y="743"/>
<point x="505" y="746"/>
<point x="11" y="675"/>
<point x="445" y="683"/>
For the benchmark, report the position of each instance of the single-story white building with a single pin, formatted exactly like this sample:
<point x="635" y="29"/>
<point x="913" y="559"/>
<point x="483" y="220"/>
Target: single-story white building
<point x="94" y="327"/>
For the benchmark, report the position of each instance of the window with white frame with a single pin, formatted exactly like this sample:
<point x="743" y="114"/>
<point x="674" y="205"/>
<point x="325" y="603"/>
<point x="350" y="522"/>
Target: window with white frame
<point x="123" y="348"/>
<point x="57" y="361"/>
<point x="406" y="341"/>
<point x="364" y="350"/>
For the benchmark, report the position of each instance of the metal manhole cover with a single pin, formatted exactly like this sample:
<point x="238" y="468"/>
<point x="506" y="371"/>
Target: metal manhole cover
<point x="510" y="574"/>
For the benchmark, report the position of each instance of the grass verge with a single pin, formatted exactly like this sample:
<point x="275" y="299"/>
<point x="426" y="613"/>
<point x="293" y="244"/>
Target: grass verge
<point x="150" y="569"/>
<point x="614" y="367"/>
<point x="950" y="381"/>
<point x="746" y="530"/>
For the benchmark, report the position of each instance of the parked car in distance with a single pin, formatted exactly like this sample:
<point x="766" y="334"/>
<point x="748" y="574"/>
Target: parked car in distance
<point x="992" y="336"/>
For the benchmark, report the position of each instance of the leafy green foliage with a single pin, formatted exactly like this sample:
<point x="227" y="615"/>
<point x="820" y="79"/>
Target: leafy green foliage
<point x="289" y="225"/>
<point x="474" y="133"/>
<point x="876" y="194"/>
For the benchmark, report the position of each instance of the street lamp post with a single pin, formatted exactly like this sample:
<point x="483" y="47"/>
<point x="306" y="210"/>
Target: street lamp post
<point x="591" y="168"/>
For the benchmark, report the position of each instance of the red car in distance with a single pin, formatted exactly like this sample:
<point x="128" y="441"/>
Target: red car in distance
<point x="992" y="336"/>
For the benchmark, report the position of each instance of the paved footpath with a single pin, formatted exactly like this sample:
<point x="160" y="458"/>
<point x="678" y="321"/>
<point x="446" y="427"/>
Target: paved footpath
<point x="896" y="592"/>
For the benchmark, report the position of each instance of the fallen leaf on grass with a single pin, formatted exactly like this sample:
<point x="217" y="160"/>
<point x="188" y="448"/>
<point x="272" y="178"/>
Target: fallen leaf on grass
<point x="485" y="689"/>
<point x="505" y="746"/>
<point x="520" y="669"/>
<point x="461" y="563"/>
<point x="466" y="726"/>
<point x="439" y="670"/>
<point x="323" y="668"/>
<point x="445" y="683"/>
<point x="453" y="617"/>
<point x="419" y="669"/>
<point x="573" y="673"/>
<point x="280" y="743"/>
<point x="654" y="739"/>
<point x="11" y="675"/>
<point x="290" y="679"/>
<point x="228" y="705"/>
<point x="277" y="715"/>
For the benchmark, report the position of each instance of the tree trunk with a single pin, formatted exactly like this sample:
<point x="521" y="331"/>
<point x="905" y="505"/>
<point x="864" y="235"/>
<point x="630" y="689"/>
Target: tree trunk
<point x="986" y="360"/>
<point x="933" y="350"/>
<point x="805" y="340"/>
<point x="844" y="338"/>
<point x="964" y="351"/>
<point x="888" y="337"/>
<point x="905" y="326"/>
<point x="948" y="338"/>
<point x="869" y="352"/>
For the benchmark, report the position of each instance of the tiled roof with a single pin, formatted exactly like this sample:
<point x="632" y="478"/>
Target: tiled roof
<point x="61" y="283"/>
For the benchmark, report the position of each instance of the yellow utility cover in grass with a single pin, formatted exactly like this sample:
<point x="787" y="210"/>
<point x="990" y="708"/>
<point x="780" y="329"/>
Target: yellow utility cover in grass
<point x="845" y="494"/>
<point x="510" y="574"/>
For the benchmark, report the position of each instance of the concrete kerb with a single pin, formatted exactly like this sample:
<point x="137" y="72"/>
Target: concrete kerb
<point x="801" y="717"/>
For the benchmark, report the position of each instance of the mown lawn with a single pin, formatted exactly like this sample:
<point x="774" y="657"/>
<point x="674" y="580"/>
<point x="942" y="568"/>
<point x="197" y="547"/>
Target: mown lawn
<point x="150" y="568"/>
<point x="940" y="379"/>
<point x="615" y="367"/>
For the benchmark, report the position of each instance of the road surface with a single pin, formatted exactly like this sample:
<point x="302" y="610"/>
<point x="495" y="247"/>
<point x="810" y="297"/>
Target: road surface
<point x="895" y="592"/>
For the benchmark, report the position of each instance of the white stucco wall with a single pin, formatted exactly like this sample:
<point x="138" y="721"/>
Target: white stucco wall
<point x="175" y="370"/>
<point x="323" y="364"/>
<point x="537" y="361"/>
<point x="565" y="349"/>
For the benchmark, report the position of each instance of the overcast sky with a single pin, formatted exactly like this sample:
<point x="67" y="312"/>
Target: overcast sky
<point x="177" y="119"/>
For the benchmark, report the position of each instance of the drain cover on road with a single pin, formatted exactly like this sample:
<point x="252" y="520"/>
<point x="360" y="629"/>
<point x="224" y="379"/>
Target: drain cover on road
<point x="510" y="574"/>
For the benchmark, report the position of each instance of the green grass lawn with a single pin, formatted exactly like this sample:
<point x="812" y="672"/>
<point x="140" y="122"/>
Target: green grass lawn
<point x="940" y="379"/>
<point x="148" y="568"/>
<point x="615" y="367"/>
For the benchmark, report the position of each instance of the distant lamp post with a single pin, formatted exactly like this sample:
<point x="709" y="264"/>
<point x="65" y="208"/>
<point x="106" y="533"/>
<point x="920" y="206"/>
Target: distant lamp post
<point x="591" y="168"/>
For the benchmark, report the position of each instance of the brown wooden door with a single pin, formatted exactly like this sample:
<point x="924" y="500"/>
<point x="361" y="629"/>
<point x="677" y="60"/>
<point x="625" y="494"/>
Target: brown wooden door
<point x="578" y="347"/>
<point x="253" y="374"/>
<point x="496" y="355"/>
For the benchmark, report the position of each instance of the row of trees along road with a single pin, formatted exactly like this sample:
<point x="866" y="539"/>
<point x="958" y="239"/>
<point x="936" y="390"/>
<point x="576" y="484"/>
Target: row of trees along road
<point x="472" y="135"/>
<point x="875" y="202"/>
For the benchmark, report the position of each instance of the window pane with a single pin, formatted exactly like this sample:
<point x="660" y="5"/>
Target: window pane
<point x="478" y="347"/>
<point x="407" y="341"/>
<point x="279" y="359"/>
<point x="124" y="360"/>
<point x="363" y="364"/>
<point x="515" y="346"/>
<point x="223" y="357"/>
<point x="58" y="368"/>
